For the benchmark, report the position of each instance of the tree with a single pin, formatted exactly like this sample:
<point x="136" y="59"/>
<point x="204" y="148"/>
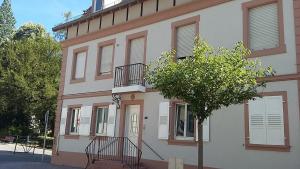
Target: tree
<point x="29" y="71"/>
<point x="30" y="30"/>
<point x="7" y="20"/>
<point x="208" y="80"/>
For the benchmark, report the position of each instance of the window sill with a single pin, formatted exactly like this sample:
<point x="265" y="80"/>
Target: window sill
<point x="73" y="81"/>
<point x="75" y="137"/>
<point x="261" y="147"/>
<point x="103" y="77"/>
<point x="267" y="52"/>
<point x="183" y="142"/>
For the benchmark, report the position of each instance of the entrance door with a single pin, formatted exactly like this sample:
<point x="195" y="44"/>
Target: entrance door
<point x="132" y="128"/>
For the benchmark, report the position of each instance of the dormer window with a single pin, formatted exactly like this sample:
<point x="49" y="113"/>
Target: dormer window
<point x="102" y="4"/>
<point x="98" y="5"/>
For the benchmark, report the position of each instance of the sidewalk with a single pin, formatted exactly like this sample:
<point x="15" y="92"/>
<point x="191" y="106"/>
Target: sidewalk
<point x="9" y="160"/>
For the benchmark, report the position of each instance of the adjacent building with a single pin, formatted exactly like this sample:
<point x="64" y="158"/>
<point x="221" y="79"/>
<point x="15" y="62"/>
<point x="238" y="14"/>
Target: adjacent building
<point x="109" y="117"/>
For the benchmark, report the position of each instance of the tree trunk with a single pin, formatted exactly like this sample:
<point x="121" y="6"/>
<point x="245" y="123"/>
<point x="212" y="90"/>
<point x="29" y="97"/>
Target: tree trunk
<point x="200" y="145"/>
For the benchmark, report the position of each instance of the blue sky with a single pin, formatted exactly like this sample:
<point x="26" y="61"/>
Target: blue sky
<point x="46" y="12"/>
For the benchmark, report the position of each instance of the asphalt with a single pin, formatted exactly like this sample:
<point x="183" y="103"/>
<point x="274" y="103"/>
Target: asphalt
<point x="21" y="160"/>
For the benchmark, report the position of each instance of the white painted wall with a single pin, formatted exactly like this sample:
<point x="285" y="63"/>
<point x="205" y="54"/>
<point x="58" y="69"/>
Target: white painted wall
<point x="219" y="25"/>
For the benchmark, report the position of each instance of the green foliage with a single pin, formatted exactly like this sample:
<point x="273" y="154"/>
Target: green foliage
<point x="7" y="21"/>
<point x="29" y="78"/>
<point x="30" y="30"/>
<point x="212" y="78"/>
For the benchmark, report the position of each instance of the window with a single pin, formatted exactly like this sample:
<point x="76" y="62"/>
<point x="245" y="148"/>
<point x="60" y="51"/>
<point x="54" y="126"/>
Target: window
<point x="75" y="120"/>
<point x="267" y="121"/>
<point x="183" y="126"/>
<point x="263" y="28"/>
<point x="184" y="34"/>
<point x="105" y="60"/>
<point x="185" y="123"/>
<point x="102" y="4"/>
<point x="79" y="65"/>
<point x="98" y="5"/>
<point x="185" y="41"/>
<point x="101" y="120"/>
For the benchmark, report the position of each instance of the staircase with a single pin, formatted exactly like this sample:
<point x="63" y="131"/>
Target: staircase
<point x="113" y="152"/>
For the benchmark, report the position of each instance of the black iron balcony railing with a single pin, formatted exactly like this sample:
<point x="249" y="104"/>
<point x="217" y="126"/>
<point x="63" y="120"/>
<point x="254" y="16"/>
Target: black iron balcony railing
<point x="129" y="75"/>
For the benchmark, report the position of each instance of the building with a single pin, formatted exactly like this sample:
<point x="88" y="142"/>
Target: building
<point x="104" y="56"/>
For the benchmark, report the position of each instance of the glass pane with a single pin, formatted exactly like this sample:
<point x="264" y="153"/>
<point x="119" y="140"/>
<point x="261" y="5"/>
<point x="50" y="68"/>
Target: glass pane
<point x="73" y="121"/>
<point x="99" y="120"/>
<point x="190" y="123"/>
<point x="105" y="120"/>
<point x="180" y="120"/>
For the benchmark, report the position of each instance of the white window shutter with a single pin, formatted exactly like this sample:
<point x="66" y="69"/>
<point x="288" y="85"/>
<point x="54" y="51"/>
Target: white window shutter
<point x="163" y="122"/>
<point x="257" y="121"/>
<point x="137" y="49"/>
<point x="63" y="120"/>
<point x="185" y="40"/>
<point x="106" y="59"/>
<point x="80" y="65"/>
<point x="205" y="130"/>
<point x="85" y="120"/>
<point x="264" y="27"/>
<point x="275" y="123"/>
<point x="111" y="121"/>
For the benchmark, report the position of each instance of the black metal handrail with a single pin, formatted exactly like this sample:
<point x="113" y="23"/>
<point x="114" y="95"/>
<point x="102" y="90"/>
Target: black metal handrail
<point x="128" y="75"/>
<point x="152" y="150"/>
<point x="113" y="149"/>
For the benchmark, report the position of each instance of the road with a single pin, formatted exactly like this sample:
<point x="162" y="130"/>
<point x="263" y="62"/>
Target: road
<point x="19" y="160"/>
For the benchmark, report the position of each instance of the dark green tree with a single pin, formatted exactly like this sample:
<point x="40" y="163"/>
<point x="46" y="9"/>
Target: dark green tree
<point x="208" y="80"/>
<point x="7" y="20"/>
<point x="30" y="66"/>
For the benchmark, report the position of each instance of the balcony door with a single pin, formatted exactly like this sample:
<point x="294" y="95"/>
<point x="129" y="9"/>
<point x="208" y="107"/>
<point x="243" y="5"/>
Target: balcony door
<point x="136" y="58"/>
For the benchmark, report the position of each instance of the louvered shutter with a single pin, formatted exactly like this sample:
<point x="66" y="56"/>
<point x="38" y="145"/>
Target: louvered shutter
<point x="63" y="121"/>
<point x="111" y="121"/>
<point x="205" y="129"/>
<point x="275" y="124"/>
<point x="137" y="49"/>
<point x="263" y="27"/>
<point x="163" y="122"/>
<point x="106" y="59"/>
<point x="185" y="40"/>
<point x="80" y="65"/>
<point x="257" y="121"/>
<point x="85" y="120"/>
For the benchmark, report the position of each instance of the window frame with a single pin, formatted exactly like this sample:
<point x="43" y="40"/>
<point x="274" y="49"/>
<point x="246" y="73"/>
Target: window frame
<point x="264" y="147"/>
<point x="246" y="7"/>
<point x="94" y="118"/>
<point x="103" y="117"/>
<point x="131" y="37"/>
<point x="74" y="63"/>
<point x="100" y="76"/>
<point x="175" y="25"/>
<point x="172" y="137"/>
<point x="185" y="123"/>
<point x="68" y="134"/>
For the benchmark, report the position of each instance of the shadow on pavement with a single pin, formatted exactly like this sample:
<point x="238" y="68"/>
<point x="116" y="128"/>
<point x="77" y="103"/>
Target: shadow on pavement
<point x="8" y="156"/>
<point x="9" y="160"/>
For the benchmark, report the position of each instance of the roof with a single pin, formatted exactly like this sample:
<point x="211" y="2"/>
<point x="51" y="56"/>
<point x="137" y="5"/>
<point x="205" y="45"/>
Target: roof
<point x="92" y="15"/>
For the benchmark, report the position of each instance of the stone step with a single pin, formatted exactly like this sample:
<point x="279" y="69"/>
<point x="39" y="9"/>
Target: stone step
<point x="106" y="164"/>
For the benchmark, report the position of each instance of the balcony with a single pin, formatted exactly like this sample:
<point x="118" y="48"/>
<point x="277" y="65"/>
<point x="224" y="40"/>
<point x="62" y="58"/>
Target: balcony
<point x="129" y="78"/>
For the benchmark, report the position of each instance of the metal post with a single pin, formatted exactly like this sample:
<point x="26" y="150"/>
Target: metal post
<point x="45" y="134"/>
